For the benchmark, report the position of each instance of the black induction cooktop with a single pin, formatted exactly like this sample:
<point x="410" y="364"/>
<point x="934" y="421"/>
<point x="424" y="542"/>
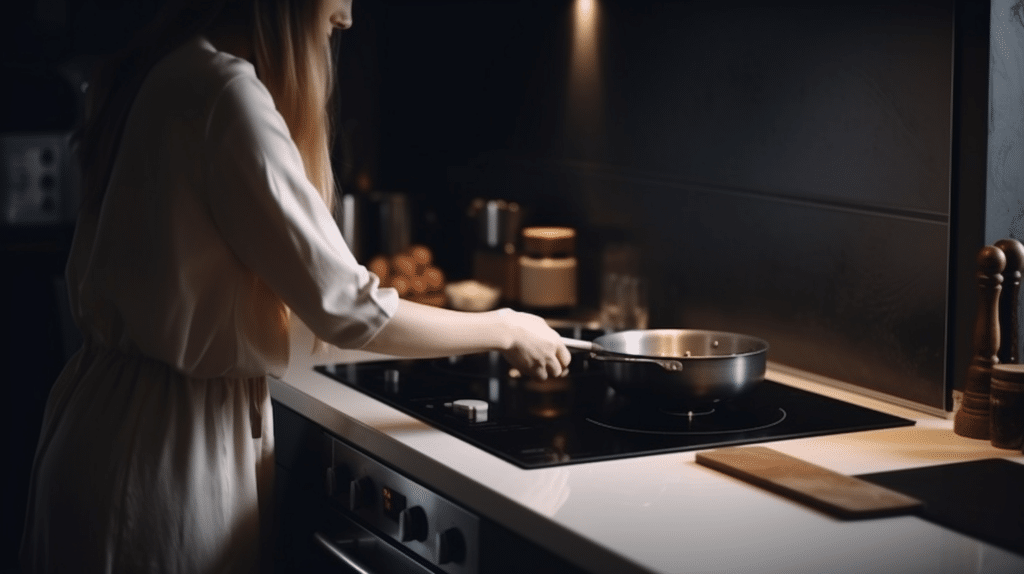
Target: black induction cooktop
<point x="580" y="418"/>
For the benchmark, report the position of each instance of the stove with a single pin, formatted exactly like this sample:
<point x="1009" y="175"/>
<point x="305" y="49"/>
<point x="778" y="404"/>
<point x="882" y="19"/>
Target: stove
<point x="580" y="418"/>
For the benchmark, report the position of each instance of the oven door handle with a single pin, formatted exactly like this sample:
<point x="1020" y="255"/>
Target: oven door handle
<point x="339" y="553"/>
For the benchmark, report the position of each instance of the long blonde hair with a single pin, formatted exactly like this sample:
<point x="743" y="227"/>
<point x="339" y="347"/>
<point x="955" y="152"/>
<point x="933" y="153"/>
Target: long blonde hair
<point x="292" y="58"/>
<point x="295" y="63"/>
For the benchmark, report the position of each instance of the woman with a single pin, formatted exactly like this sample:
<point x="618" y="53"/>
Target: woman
<point x="205" y="225"/>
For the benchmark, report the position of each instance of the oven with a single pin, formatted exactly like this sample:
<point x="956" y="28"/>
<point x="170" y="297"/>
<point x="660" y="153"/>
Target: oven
<point x="381" y="517"/>
<point x="341" y="509"/>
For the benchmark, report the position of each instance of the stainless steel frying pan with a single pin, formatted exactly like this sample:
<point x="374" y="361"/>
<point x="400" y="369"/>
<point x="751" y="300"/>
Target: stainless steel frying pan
<point x="688" y="366"/>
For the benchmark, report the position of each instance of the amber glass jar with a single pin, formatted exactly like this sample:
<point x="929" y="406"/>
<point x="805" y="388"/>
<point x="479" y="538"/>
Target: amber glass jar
<point x="547" y="269"/>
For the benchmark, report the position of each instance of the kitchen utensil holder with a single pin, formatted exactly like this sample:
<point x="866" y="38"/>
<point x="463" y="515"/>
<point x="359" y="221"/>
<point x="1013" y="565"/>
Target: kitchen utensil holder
<point x="495" y="257"/>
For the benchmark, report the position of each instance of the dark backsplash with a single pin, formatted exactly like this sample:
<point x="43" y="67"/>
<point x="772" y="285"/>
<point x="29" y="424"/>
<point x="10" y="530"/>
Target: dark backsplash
<point x="785" y="168"/>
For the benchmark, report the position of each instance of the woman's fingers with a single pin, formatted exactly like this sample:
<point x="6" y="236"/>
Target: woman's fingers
<point x="536" y="350"/>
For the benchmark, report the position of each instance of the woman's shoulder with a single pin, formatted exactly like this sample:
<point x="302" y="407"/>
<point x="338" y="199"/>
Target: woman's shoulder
<point x="199" y="60"/>
<point x="194" y="81"/>
<point x="193" y="77"/>
<point x="196" y="69"/>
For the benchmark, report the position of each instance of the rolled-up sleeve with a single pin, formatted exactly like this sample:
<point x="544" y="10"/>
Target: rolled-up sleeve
<point x="274" y="220"/>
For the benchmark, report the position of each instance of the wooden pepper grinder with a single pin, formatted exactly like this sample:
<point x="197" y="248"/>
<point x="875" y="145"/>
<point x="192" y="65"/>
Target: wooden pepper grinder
<point x="1009" y="323"/>
<point x="972" y="419"/>
<point x="1006" y="395"/>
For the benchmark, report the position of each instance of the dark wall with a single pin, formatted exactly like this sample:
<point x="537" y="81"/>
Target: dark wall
<point x="784" y="167"/>
<point x="1005" y="174"/>
<point x="426" y="88"/>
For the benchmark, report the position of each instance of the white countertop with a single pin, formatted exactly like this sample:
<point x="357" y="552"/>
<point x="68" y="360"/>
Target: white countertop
<point x="664" y="513"/>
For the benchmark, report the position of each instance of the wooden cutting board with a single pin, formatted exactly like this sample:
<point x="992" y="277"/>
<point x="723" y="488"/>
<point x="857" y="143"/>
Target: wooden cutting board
<point x="837" y="494"/>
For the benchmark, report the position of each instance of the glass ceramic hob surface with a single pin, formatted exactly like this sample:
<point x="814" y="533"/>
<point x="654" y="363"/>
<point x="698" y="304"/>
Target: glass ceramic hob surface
<point x="580" y="418"/>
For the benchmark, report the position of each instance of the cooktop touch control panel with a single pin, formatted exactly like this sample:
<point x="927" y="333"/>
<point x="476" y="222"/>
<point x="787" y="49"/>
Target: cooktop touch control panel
<point x="410" y="515"/>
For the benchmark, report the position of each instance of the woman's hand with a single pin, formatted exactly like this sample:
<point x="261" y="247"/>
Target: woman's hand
<point x="533" y="347"/>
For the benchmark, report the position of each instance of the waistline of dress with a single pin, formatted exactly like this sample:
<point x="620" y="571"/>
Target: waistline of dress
<point x="257" y="390"/>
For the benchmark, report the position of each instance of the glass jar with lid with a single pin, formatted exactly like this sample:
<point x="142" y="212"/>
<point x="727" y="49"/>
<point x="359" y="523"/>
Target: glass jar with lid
<point x="547" y="269"/>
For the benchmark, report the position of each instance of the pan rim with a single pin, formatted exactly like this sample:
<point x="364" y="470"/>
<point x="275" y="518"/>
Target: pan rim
<point x="762" y="344"/>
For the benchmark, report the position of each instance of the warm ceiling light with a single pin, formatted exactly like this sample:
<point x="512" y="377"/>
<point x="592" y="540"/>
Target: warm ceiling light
<point x="585" y="96"/>
<point x="584" y="10"/>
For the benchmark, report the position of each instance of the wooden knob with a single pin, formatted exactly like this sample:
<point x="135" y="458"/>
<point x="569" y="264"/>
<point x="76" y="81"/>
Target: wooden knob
<point x="991" y="261"/>
<point x="1013" y="250"/>
<point x="972" y="420"/>
<point x="1009" y="322"/>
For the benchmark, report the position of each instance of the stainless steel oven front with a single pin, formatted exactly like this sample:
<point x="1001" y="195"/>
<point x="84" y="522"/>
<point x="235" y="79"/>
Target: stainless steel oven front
<point x="383" y="521"/>
<point x="343" y="509"/>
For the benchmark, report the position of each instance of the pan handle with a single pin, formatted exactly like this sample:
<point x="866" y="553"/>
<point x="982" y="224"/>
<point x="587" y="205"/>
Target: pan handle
<point x="601" y="354"/>
<point x="580" y="344"/>
<point x="667" y="364"/>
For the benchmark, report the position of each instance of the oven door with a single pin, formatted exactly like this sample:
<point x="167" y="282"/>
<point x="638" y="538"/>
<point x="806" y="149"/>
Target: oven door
<point x="351" y="548"/>
<point x="316" y="531"/>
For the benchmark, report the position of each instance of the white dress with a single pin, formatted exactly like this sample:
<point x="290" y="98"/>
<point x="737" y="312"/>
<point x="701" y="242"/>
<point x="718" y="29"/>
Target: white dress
<point x="156" y="452"/>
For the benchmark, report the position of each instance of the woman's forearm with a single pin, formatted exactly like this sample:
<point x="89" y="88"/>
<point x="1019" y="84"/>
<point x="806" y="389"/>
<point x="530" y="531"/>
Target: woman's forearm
<point x="421" y="331"/>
